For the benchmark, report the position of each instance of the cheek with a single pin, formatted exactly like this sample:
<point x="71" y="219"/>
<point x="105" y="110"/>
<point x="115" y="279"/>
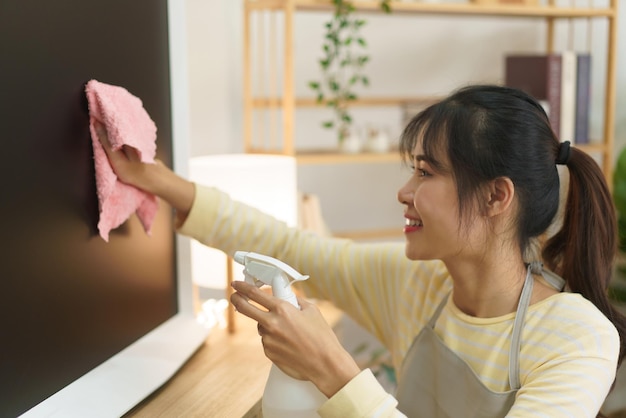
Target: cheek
<point x="436" y="201"/>
<point x="440" y="211"/>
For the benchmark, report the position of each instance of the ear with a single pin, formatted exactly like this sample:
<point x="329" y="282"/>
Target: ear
<point x="501" y="192"/>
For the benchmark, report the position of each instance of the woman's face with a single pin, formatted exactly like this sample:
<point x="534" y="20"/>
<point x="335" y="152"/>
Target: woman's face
<point x="431" y="211"/>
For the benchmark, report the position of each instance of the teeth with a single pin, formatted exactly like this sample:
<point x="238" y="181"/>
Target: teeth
<point x="413" y="222"/>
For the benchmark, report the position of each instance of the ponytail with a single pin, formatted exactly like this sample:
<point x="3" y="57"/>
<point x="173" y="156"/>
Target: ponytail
<point x="584" y="250"/>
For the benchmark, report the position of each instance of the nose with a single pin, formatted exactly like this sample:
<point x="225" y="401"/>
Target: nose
<point x="405" y="194"/>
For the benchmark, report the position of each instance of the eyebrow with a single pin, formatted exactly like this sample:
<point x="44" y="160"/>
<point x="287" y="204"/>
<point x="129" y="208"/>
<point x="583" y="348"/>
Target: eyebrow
<point x="435" y="165"/>
<point x="421" y="157"/>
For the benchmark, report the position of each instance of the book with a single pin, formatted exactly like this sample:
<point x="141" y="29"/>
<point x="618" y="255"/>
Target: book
<point x="583" y="98"/>
<point x="508" y="2"/>
<point x="539" y="75"/>
<point x="568" y="96"/>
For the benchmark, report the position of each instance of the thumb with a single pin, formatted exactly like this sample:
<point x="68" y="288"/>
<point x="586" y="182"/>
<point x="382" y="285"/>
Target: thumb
<point x="101" y="131"/>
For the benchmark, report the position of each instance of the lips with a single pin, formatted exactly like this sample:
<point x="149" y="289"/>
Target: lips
<point x="412" y="224"/>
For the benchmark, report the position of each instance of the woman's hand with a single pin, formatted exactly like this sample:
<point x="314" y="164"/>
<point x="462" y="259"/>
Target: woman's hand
<point x="155" y="178"/>
<point x="126" y="163"/>
<point x="299" y="341"/>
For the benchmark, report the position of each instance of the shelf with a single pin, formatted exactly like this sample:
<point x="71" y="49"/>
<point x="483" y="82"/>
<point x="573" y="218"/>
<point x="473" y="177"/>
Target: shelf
<point x="334" y="157"/>
<point x="444" y="9"/>
<point x="592" y="148"/>
<point x="276" y="102"/>
<point x="331" y="156"/>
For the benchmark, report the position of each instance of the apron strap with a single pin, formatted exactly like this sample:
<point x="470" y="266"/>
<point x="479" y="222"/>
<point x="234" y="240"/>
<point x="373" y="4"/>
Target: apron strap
<point x="516" y="340"/>
<point x="435" y="316"/>
<point x="553" y="279"/>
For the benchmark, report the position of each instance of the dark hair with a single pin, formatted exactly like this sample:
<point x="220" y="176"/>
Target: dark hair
<point x="487" y="132"/>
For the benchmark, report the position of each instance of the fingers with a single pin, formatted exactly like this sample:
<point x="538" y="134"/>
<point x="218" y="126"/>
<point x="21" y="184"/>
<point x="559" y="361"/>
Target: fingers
<point x="240" y="301"/>
<point x="103" y="137"/>
<point x="253" y="293"/>
<point x="129" y="152"/>
<point x="244" y="296"/>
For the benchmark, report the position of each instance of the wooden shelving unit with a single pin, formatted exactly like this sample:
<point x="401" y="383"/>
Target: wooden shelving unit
<point x="281" y="123"/>
<point x="436" y="8"/>
<point x="279" y="102"/>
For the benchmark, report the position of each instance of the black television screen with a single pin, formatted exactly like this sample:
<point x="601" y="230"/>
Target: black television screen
<point x="70" y="300"/>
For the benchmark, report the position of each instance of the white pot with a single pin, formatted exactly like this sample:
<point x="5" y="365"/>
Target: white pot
<point x="377" y="141"/>
<point x="351" y="142"/>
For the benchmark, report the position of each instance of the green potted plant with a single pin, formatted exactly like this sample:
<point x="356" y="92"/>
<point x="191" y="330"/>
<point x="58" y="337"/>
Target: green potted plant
<point x="342" y="64"/>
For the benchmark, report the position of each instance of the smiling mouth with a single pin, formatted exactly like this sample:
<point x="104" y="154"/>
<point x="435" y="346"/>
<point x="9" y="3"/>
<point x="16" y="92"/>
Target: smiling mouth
<point x="413" y="223"/>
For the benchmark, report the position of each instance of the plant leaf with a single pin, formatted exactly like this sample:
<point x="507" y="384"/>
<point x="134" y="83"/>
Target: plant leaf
<point x="385" y="6"/>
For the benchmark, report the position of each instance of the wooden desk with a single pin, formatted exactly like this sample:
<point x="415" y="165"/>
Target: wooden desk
<point x="223" y="379"/>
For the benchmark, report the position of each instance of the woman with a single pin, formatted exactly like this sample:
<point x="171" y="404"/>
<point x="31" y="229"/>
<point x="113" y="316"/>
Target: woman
<point x="475" y="325"/>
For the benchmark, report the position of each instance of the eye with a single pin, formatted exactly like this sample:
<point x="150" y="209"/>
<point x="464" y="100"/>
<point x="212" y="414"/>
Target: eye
<point x="420" y="168"/>
<point x="423" y="170"/>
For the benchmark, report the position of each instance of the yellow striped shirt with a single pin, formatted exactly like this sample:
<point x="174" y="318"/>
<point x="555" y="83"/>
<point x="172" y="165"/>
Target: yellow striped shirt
<point x="569" y="348"/>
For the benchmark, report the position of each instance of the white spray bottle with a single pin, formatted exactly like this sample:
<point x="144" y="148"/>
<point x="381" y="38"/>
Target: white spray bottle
<point x="284" y="396"/>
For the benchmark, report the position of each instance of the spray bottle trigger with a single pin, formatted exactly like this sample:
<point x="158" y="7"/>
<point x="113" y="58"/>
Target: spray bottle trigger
<point x="291" y="279"/>
<point x="251" y="279"/>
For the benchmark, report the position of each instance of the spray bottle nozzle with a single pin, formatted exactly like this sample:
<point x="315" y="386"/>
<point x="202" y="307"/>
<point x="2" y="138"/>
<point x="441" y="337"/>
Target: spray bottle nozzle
<point x="262" y="269"/>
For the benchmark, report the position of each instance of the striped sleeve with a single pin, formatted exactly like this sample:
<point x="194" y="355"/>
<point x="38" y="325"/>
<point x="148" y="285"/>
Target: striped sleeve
<point x="367" y="281"/>
<point x="361" y="397"/>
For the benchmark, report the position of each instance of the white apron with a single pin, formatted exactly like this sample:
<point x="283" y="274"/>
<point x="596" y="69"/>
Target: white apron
<point x="435" y="382"/>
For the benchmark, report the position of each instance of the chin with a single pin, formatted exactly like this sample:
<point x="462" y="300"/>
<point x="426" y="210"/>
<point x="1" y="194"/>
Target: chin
<point x="412" y="254"/>
<point x="417" y="254"/>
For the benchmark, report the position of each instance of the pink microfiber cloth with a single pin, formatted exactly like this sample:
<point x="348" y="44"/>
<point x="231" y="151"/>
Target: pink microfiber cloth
<point x="127" y="123"/>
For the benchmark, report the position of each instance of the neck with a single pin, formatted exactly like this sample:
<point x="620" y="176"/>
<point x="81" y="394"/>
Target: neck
<point x="488" y="287"/>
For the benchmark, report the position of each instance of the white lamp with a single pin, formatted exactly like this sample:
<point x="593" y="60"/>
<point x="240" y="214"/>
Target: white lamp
<point x="267" y="182"/>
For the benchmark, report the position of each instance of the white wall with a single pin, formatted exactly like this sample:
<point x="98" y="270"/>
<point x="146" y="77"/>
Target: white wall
<point x="409" y="55"/>
<point x="215" y="73"/>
